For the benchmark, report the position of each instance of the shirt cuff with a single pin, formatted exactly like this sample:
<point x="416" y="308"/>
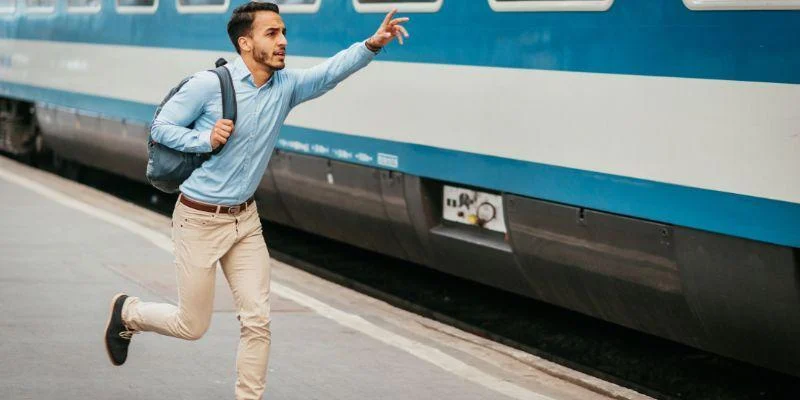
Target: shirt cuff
<point x="373" y="53"/>
<point x="205" y="139"/>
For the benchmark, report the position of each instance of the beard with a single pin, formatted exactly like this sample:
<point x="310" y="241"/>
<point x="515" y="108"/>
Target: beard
<point x="263" y="58"/>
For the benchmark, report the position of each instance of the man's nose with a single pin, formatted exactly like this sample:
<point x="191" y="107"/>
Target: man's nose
<point x="282" y="41"/>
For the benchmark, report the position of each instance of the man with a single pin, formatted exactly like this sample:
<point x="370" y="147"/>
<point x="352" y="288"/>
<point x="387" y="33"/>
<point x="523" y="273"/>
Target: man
<point x="215" y="218"/>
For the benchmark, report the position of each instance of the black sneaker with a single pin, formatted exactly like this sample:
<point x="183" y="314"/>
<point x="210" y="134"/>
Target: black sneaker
<point x="118" y="336"/>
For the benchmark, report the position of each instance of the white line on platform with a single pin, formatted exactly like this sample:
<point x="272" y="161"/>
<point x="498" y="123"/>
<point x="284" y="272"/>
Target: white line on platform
<point x="420" y="350"/>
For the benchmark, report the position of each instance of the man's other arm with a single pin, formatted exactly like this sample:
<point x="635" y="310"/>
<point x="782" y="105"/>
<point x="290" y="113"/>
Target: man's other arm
<point x="181" y="110"/>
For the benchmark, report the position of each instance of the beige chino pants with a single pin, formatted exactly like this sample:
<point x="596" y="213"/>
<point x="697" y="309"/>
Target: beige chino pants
<point x="201" y="239"/>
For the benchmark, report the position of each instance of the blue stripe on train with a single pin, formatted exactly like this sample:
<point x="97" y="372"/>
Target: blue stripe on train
<point x="737" y="215"/>
<point x="653" y="37"/>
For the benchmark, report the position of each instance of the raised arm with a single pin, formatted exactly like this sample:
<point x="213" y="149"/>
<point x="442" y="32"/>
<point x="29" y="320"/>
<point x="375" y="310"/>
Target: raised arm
<point x="181" y="110"/>
<point x="317" y="80"/>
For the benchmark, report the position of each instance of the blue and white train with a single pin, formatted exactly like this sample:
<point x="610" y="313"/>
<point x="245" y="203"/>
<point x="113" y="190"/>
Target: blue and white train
<point x="637" y="161"/>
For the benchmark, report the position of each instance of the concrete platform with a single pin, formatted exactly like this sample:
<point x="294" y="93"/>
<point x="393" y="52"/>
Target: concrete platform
<point x="68" y="248"/>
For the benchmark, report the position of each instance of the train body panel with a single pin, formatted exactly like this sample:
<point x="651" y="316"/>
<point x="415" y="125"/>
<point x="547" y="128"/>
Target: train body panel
<point x="688" y="152"/>
<point x="645" y="157"/>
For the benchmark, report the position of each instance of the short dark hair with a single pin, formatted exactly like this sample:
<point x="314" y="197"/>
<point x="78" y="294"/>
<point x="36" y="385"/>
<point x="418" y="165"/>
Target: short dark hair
<point x="241" y="22"/>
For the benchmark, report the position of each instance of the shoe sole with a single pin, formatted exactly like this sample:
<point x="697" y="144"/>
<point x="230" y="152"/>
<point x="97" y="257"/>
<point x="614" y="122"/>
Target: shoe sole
<point x="108" y="326"/>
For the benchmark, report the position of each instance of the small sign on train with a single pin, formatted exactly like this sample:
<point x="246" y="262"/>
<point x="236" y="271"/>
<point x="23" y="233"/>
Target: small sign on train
<point x="472" y="207"/>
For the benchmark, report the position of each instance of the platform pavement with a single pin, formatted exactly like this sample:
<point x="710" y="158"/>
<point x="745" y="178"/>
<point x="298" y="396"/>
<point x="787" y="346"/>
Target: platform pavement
<point x="68" y="248"/>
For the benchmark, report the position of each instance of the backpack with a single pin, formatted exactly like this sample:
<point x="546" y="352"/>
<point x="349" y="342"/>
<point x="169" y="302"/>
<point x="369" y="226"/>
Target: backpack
<point x="167" y="168"/>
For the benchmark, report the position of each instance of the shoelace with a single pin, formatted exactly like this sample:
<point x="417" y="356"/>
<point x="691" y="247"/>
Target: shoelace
<point x="127" y="334"/>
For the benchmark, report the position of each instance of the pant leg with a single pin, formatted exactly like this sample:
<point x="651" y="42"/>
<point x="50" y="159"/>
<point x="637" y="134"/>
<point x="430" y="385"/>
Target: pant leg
<point x="199" y="238"/>
<point x="246" y="267"/>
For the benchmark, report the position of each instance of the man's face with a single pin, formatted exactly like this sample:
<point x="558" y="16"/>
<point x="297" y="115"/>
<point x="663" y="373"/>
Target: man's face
<point x="267" y="40"/>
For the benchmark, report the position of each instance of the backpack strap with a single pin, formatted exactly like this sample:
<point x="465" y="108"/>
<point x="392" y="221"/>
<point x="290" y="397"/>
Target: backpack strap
<point x="228" y="94"/>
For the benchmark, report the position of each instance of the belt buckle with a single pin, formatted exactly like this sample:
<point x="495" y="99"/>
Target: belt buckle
<point x="234" y="209"/>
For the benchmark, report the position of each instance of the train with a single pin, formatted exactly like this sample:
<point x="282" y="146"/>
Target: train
<point x="635" y="161"/>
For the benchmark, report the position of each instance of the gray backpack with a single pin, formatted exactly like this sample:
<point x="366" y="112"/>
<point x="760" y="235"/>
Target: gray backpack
<point x="167" y="168"/>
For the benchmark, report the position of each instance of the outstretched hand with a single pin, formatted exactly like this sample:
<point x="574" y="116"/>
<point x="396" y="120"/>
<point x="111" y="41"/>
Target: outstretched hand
<point x="389" y="29"/>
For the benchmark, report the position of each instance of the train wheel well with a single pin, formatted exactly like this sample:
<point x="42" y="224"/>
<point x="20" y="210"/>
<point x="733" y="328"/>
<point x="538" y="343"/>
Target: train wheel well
<point x="19" y="132"/>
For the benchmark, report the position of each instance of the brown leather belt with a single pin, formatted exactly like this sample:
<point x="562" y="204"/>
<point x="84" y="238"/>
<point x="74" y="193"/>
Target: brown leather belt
<point x="215" y="208"/>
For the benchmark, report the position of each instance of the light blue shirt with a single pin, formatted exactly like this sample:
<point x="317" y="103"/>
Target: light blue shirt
<point x="232" y="176"/>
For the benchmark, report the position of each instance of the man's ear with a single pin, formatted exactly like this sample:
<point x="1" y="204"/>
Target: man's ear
<point x="244" y="44"/>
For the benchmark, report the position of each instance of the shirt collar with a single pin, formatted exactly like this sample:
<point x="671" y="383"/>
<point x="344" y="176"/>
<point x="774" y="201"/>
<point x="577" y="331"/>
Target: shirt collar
<point x="239" y="70"/>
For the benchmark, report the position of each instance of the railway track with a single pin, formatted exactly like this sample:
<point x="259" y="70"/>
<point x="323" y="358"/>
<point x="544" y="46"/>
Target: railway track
<point x="653" y="366"/>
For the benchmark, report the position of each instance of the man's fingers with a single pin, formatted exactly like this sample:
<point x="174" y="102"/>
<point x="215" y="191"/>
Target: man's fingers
<point x="389" y="17"/>
<point x="225" y="128"/>
<point x="399" y="36"/>
<point x="402" y="29"/>
<point x="398" y="20"/>
<point x="225" y="122"/>
<point x="222" y="133"/>
<point x="219" y="141"/>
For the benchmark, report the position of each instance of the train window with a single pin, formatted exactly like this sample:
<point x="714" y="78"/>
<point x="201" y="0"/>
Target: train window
<point x="7" y="6"/>
<point x="381" y="6"/>
<point x="550" y="5"/>
<point x="40" y="6"/>
<point x="202" y="6"/>
<point x="700" y="5"/>
<point x="298" y="6"/>
<point x="137" y="6"/>
<point x="83" y="6"/>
